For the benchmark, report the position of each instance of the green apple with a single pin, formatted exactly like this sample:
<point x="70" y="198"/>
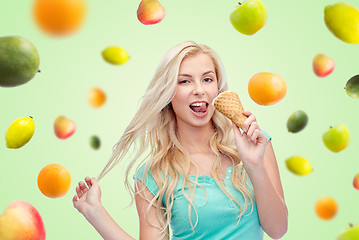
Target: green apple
<point x="351" y="233"/>
<point x="336" y="138"/>
<point x="249" y="17"/>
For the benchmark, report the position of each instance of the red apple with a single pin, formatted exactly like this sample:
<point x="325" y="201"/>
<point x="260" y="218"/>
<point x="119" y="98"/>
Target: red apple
<point x="323" y="65"/>
<point x="64" y="127"/>
<point x="21" y="221"/>
<point x="356" y="181"/>
<point x="150" y="12"/>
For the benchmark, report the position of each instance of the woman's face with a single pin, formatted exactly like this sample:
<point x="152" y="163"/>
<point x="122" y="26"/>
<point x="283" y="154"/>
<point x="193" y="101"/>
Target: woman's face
<point x="197" y="86"/>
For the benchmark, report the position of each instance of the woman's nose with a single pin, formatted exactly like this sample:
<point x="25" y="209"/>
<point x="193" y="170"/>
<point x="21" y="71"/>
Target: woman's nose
<point x="198" y="89"/>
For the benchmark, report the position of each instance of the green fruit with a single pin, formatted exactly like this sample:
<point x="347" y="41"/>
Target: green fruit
<point x="342" y="20"/>
<point x="19" y="132"/>
<point x="297" y="121"/>
<point x="336" y="138"/>
<point x="249" y="17"/>
<point x="352" y="87"/>
<point x="115" y="55"/>
<point x="351" y="233"/>
<point x="19" y="61"/>
<point x="95" y="142"/>
<point x="299" y="165"/>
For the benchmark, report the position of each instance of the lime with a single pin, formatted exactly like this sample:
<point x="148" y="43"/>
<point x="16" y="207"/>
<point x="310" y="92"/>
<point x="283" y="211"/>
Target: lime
<point x="19" y="132"/>
<point x="297" y="121"/>
<point x="115" y="55"/>
<point x="299" y="165"/>
<point x="95" y="142"/>
<point x="352" y="87"/>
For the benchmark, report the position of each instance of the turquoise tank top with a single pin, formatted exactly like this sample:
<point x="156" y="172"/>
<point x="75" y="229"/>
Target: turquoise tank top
<point x="217" y="214"/>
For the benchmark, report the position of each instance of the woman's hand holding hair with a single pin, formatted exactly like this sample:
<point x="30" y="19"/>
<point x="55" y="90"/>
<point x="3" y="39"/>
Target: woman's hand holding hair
<point x="88" y="196"/>
<point x="251" y="143"/>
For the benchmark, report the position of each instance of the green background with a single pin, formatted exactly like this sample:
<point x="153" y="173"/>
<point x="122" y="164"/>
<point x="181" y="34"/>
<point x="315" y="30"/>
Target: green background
<point x="70" y="66"/>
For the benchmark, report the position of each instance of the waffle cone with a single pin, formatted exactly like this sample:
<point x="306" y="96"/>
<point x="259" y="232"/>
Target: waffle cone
<point x="229" y="105"/>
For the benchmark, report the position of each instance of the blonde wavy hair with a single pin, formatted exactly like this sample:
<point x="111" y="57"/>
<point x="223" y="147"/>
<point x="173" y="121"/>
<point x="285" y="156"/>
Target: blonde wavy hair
<point x="154" y="126"/>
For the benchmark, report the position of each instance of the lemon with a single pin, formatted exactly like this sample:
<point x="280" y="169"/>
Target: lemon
<point x="19" y="132"/>
<point x="299" y="165"/>
<point x="115" y="55"/>
<point x="342" y="20"/>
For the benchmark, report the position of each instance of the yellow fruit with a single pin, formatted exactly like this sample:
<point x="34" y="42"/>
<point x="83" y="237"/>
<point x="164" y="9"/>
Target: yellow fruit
<point x="19" y="132"/>
<point x="299" y="165"/>
<point x="115" y="55"/>
<point x="342" y="20"/>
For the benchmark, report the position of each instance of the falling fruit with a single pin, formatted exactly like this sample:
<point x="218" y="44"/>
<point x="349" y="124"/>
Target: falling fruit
<point x="352" y="87"/>
<point x="54" y="180"/>
<point x="342" y="19"/>
<point x="356" y="181"/>
<point x="249" y="17"/>
<point x="350" y="233"/>
<point x="96" y="97"/>
<point x="115" y="55"/>
<point x="323" y="65"/>
<point x="59" y="17"/>
<point x="297" y="121"/>
<point x="299" y="165"/>
<point x="19" y="132"/>
<point x="21" y="221"/>
<point x="336" y="138"/>
<point x="266" y="88"/>
<point x="326" y="208"/>
<point x="95" y="142"/>
<point x="64" y="127"/>
<point x="19" y="61"/>
<point x="150" y="12"/>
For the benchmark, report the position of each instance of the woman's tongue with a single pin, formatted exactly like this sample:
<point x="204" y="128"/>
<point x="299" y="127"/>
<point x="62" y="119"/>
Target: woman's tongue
<point x="199" y="109"/>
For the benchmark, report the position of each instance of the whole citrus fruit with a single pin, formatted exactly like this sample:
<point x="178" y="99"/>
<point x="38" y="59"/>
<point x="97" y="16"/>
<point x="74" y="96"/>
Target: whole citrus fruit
<point x="115" y="55"/>
<point x="54" y="180"/>
<point x="19" y="132"/>
<point x="59" y="17"/>
<point x="326" y="208"/>
<point x="96" y="97"/>
<point x="267" y="88"/>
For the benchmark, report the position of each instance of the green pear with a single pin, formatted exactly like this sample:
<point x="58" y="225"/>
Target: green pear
<point x="342" y="20"/>
<point x="336" y="138"/>
<point x="19" y="61"/>
<point x="351" y="233"/>
<point x="249" y="17"/>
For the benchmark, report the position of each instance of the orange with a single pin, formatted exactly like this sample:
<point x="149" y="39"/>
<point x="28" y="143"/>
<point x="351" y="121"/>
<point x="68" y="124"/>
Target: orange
<point x="266" y="88"/>
<point x="96" y="97"/>
<point x="59" y="17"/>
<point x="326" y="208"/>
<point x="54" y="180"/>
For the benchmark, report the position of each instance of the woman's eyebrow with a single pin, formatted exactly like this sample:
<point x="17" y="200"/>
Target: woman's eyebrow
<point x="189" y="75"/>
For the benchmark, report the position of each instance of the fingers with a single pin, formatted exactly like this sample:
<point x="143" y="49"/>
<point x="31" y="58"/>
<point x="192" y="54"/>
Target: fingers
<point x="83" y="188"/>
<point x="247" y="123"/>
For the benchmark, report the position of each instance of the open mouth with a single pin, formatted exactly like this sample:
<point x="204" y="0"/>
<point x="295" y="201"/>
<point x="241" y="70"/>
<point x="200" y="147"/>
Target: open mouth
<point x="199" y="108"/>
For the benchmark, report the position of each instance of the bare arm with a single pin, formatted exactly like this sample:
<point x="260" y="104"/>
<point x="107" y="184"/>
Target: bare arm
<point x="89" y="204"/>
<point x="260" y="163"/>
<point x="272" y="210"/>
<point x="147" y="231"/>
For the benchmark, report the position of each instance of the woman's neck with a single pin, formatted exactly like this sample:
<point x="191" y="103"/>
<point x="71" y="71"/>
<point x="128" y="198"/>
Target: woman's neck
<point x="195" y="139"/>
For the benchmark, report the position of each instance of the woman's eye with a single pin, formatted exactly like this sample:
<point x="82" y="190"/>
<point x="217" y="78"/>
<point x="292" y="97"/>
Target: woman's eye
<point x="208" y="79"/>
<point x="183" y="81"/>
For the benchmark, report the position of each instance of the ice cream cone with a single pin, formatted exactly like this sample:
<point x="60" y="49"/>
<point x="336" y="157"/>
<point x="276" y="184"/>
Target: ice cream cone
<point x="229" y="105"/>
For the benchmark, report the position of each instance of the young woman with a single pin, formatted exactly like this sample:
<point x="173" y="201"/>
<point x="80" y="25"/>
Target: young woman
<point x="201" y="175"/>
